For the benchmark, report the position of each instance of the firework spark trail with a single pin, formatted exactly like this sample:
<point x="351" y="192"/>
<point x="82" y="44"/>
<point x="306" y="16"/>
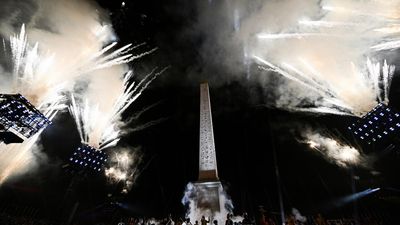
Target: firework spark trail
<point x="336" y="64"/>
<point x="139" y="113"/>
<point x="102" y="129"/>
<point x="329" y="24"/>
<point x="45" y="64"/>
<point x="373" y="79"/>
<point x="134" y="91"/>
<point x="34" y="72"/>
<point x="30" y="68"/>
<point x="328" y="95"/>
<point x="335" y="53"/>
<point x="390" y="45"/>
<point x="393" y="29"/>
<point x="117" y="57"/>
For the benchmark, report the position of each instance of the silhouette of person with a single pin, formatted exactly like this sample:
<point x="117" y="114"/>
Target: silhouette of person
<point x="204" y="221"/>
<point x="246" y="219"/>
<point x="229" y="220"/>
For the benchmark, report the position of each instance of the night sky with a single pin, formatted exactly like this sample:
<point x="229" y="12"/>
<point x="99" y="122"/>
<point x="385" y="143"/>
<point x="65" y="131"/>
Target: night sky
<point x="247" y="133"/>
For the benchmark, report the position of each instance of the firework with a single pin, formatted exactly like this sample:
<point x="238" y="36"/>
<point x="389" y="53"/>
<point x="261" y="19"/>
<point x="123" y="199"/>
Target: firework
<point x="124" y="168"/>
<point x="46" y="64"/>
<point x="102" y="128"/>
<point x="336" y="58"/>
<point x="32" y="75"/>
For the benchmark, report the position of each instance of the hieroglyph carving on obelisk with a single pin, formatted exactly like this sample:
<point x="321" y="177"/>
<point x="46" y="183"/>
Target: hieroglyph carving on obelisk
<point x="207" y="159"/>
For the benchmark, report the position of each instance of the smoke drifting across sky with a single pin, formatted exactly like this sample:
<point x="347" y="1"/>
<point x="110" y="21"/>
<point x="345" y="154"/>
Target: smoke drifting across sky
<point x="327" y="42"/>
<point x="324" y="57"/>
<point x="335" y="151"/>
<point x="72" y="43"/>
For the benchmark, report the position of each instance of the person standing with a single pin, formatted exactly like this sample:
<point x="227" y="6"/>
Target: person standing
<point x="229" y="220"/>
<point x="204" y="221"/>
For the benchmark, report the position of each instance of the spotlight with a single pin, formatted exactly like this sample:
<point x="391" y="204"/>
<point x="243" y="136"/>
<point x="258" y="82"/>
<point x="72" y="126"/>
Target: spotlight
<point x="353" y="197"/>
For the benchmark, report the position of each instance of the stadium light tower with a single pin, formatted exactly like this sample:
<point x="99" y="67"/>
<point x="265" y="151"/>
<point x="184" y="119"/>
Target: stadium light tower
<point x="19" y="119"/>
<point x="378" y="126"/>
<point x="87" y="159"/>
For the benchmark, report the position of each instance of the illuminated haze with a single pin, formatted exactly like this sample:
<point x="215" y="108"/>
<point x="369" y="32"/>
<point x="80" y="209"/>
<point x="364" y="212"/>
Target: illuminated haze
<point x="334" y="151"/>
<point x="17" y="159"/>
<point x="192" y="192"/>
<point x="315" y="56"/>
<point x="329" y="52"/>
<point x="123" y="168"/>
<point x="61" y="41"/>
<point x="97" y="113"/>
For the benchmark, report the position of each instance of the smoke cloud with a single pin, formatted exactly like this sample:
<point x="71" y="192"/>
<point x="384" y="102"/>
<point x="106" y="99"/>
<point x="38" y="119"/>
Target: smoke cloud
<point x="68" y="34"/>
<point x="200" y="201"/>
<point x="297" y="215"/>
<point x="18" y="159"/>
<point x="334" y="151"/>
<point x="60" y="43"/>
<point x="330" y="52"/>
<point x="123" y="168"/>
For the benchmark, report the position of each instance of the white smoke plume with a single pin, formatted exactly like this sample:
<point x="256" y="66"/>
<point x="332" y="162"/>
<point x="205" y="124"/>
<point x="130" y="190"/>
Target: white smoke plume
<point x="329" y="53"/>
<point x="68" y="39"/>
<point x="17" y="159"/>
<point x="334" y="151"/>
<point x="297" y="215"/>
<point x="123" y="168"/>
<point x="326" y="50"/>
<point x="61" y="41"/>
<point x="197" y="200"/>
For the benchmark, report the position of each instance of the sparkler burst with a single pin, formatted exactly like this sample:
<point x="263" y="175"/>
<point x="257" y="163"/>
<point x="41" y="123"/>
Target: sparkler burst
<point x="36" y="77"/>
<point x="335" y="56"/>
<point x="102" y="128"/>
<point x="32" y="78"/>
<point x="32" y="75"/>
<point x="46" y="61"/>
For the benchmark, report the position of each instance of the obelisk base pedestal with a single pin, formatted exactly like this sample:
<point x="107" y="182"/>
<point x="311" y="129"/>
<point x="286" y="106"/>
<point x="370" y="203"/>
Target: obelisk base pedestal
<point x="208" y="196"/>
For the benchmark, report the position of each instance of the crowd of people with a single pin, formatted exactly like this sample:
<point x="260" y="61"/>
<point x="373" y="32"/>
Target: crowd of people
<point x="8" y="219"/>
<point x="261" y="218"/>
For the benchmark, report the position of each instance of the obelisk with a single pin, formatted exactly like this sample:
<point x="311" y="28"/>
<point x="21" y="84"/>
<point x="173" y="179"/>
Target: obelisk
<point x="208" y="186"/>
<point x="207" y="156"/>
